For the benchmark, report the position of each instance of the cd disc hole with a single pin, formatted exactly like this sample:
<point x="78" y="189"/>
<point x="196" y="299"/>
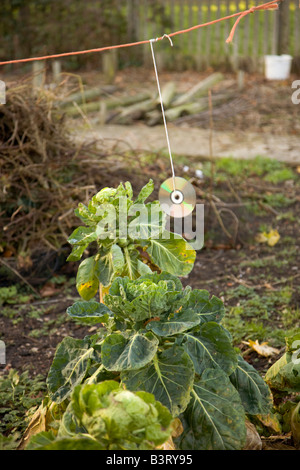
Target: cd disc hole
<point x="177" y="197"/>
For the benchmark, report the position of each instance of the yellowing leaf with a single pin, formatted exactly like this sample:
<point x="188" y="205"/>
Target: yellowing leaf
<point x="263" y="349"/>
<point x="168" y="445"/>
<point x="270" y="238"/>
<point x="271" y="422"/>
<point x="88" y="290"/>
<point x="177" y="430"/>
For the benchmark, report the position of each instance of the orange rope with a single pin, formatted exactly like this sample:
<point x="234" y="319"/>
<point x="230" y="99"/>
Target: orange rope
<point x="273" y="5"/>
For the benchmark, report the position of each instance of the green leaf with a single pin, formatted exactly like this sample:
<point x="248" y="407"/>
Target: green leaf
<point x="165" y="276"/>
<point x="143" y="268"/>
<point x="119" y="353"/>
<point x="171" y="253"/>
<point x="77" y="252"/>
<point x="208" y="309"/>
<point x="120" y="419"/>
<point x="284" y="374"/>
<point x="110" y="265"/>
<point x="169" y="377"/>
<point x="146" y="306"/>
<point x="129" y="190"/>
<point x="83" y="213"/>
<point x="214" y="418"/>
<point x="70" y="364"/>
<point x="142" y="307"/>
<point x="210" y="347"/>
<point x="89" y="312"/>
<point x="131" y="267"/>
<point x="181" y="321"/>
<point x="149" y="296"/>
<point x="295" y="425"/>
<point x="79" y="442"/>
<point x="149" y="221"/>
<point x="82" y="236"/>
<point x="87" y="282"/>
<point x="145" y="192"/>
<point x="255" y="394"/>
<point x="41" y="440"/>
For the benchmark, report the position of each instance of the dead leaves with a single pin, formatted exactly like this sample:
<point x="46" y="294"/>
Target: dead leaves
<point x="271" y="238"/>
<point x="262" y="349"/>
<point x="253" y="440"/>
<point x="177" y="430"/>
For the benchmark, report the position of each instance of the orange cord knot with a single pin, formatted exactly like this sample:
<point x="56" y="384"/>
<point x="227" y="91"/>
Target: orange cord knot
<point x="267" y="6"/>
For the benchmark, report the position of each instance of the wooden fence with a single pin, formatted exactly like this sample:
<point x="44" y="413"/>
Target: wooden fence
<point x="257" y="35"/>
<point x="41" y="27"/>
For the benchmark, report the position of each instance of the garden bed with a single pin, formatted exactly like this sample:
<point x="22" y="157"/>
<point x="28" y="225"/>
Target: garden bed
<point x="250" y="260"/>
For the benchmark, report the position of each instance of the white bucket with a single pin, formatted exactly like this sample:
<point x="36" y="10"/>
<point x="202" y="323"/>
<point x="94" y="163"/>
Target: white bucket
<point x="278" y="67"/>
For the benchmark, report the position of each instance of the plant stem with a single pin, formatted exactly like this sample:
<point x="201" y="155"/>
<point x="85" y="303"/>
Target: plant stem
<point x="100" y="293"/>
<point x="92" y="378"/>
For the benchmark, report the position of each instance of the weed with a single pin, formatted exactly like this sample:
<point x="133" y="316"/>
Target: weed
<point x="280" y="175"/>
<point x="270" y="170"/>
<point x="275" y="316"/>
<point x="19" y="396"/>
<point x="13" y="295"/>
<point x="278" y="200"/>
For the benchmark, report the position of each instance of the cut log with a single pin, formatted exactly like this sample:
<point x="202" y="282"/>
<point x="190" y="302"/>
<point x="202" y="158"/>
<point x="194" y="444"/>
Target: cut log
<point x="155" y="117"/>
<point x="185" y="112"/>
<point x="134" y="112"/>
<point x="167" y="93"/>
<point x="199" y="90"/>
<point x="111" y="103"/>
<point x="184" y="109"/>
<point x="83" y="96"/>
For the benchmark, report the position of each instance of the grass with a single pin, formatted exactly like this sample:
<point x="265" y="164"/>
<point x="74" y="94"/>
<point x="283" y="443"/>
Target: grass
<point x="20" y="396"/>
<point x="261" y="314"/>
<point x="269" y="170"/>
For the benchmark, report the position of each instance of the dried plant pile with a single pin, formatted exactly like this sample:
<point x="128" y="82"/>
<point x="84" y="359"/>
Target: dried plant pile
<point x="42" y="174"/>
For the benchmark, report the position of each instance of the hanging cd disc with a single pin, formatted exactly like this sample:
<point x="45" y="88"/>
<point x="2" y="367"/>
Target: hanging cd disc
<point x="179" y="202"/>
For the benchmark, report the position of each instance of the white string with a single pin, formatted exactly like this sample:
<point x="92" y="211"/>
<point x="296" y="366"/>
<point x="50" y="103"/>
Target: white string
<point x="162" y="106"/>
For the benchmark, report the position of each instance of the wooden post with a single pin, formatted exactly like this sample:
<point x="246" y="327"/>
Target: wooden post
<point x="56" y="71"/>
<point x="199" y="59"/>
<point x="38" y="71"/>
<point x="283" y="30"/>
<point x="241" y="79"/>
<point x="109" y="65"/>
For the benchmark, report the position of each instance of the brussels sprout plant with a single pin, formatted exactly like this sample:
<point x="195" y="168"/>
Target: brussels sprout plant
<point x="163" y="344"/>
<point x="103" y="416"/>
<point x="129" y="235"/>
<point x="163" y="339"/>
